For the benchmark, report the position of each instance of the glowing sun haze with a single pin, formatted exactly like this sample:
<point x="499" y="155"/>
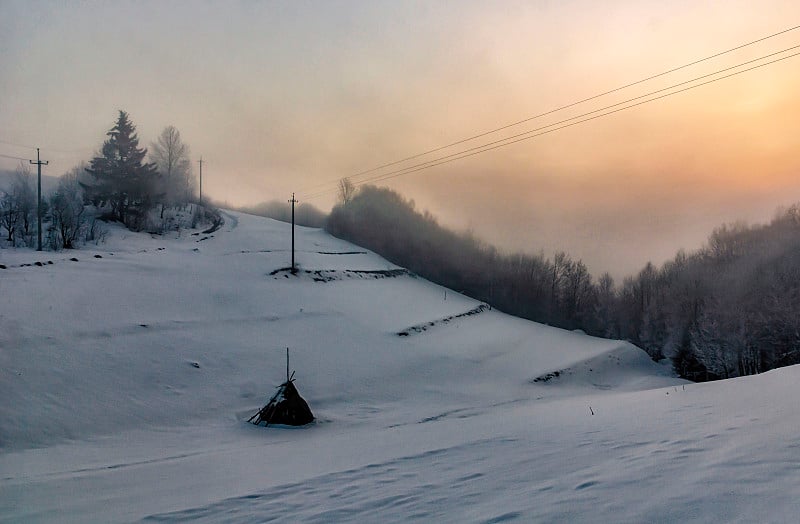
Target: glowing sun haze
<point x="289" y="96"/>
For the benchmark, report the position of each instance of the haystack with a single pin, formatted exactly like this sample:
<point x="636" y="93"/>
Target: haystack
<point x="286" y="406"/>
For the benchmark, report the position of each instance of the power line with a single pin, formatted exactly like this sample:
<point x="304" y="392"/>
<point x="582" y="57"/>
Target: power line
<point x="567" y="106"/>
<point x="544" y="130"/>
<point x="13" y="157"/>
<point x="16" y="145"/>
<point x="50" y="149"/>
<point x="510" y="138"/>
<point x="423" y="166"/>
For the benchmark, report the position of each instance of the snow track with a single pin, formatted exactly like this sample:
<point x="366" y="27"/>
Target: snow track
<point x="397" y="490"/>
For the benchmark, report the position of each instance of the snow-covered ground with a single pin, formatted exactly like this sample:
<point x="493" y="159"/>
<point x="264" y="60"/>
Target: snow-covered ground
<point x="126" y="378"/>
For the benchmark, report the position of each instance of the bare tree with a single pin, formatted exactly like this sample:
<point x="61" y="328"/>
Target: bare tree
<point x="9" y="215"/>
<point x="347" y="190"/>
<point x="606" y="306"/>
<point x="67" y="210"/>
<point x="23" y="189"/>
<point x="18" y="207"/>
<point x="171" y="157"/>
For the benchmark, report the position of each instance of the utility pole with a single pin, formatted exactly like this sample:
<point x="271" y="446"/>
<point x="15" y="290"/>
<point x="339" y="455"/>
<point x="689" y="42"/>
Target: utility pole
<point x="293" y="201"/>
<point x="39" y="165"/>
<point x="201" y="180"/>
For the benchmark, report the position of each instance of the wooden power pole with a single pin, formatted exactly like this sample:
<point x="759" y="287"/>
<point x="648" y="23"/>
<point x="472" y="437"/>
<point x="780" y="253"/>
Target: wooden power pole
<point x="39" y="165"/>
<point x="201" y="180"/>
<point x="293" y="201"/>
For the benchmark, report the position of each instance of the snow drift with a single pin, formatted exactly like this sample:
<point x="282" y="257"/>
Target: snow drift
<point x="128" y="374"/>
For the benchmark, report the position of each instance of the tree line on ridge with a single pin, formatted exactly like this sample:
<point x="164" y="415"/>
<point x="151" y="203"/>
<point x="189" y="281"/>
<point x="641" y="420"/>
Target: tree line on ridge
<point x="729" y="309"/>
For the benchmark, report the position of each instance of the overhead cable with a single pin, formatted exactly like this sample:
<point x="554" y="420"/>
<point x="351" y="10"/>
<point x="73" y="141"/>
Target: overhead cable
<point x="567" y="106"/>
<point x="569" y="122"/>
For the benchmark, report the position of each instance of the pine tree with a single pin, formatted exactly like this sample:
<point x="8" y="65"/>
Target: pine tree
<point x="122" y="180"/>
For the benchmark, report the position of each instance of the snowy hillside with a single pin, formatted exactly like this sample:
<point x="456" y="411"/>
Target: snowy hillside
<point x="126" y="377"/>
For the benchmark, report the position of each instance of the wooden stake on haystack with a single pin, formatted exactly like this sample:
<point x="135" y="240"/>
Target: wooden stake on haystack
<point x="288" y="378"/>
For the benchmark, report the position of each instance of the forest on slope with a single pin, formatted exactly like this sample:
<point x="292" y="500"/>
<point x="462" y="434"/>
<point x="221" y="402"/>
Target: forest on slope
<point x="729" y="309"/>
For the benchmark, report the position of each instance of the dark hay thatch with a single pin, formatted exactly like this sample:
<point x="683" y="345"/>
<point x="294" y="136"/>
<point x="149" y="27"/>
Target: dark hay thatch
<point x="286" y="407"/>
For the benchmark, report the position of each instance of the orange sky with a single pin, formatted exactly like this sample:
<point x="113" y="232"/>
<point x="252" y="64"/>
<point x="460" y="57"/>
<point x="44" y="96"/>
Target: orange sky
<point x="280" y="97"/>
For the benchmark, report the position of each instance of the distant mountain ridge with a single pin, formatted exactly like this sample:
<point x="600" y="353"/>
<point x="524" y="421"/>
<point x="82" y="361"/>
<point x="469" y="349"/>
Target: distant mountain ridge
<point x="49" y="183"/>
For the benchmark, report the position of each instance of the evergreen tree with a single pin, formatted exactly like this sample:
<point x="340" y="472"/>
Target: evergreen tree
<point x="122" y="180"/>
